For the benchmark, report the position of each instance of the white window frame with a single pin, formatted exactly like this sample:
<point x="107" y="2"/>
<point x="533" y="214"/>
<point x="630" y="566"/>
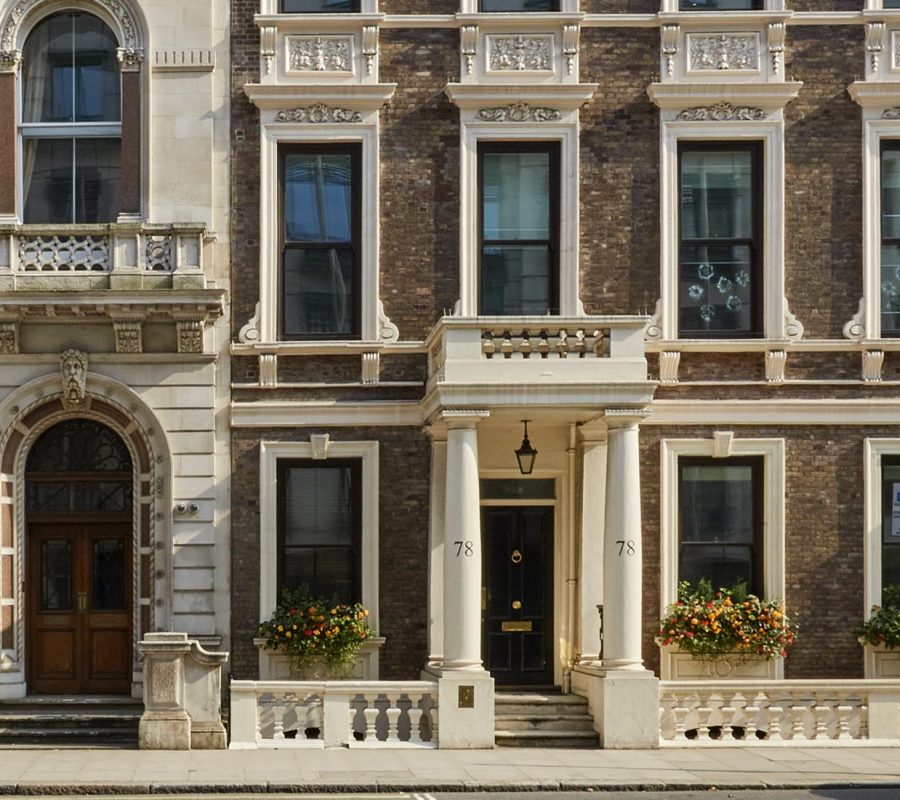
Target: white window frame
<point x="874" y="451"/>
<point x="275" y="134"/>
<point x="269" y="455"/>
<point x="268" y="7"/>
<point x="565" y="7"/>
<point x="874" y="132"/>
<point x="777" y="322"/>
<point x="671" y="6"/>
<point x="773" y="521"/>
<point x="566" y="133"/>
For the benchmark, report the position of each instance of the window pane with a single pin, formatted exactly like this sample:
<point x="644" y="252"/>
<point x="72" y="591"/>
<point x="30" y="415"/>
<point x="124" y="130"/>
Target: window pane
<point x="890" y="523"/>
<point x="70" y="72"/>
<point x="721" y="5"/>
<point x="318" y="197"/>
<point x="717" y="194"/>
<point x="722" y="566"/>
<point x="319" y="291"/>
<point x="98" y="178"/>
<point x="73" y="496"/>
<point x="891" y="4"/>
<point x="318" y="6"/>
<point x="519" y="5"/>
<point x="715" y="288"/>
<point x="515" y="489"/>
<point x="890" y="194"/>
<point x="516" y="196"/>
<point x="51" y="192"/>
<point x="320" y="530"/>
<point x="56" y="575"/>
<point x="515" y="279"/>
<point x="716" y="503"/>
<point x="890" y="288"/>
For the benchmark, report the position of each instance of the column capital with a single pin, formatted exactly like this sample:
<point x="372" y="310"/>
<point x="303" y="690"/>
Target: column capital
<point x="593" y="432"/>
<point x="9" y="61"/>
<point x="617" y="418"/>
<point x="130" y="58"/>
<point x="463" y="418"/>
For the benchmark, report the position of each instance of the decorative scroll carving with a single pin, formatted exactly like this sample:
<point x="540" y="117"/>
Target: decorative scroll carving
<point x="654" y="326"/>
<point x="776" y="361"/>
<point x="268" y="369"/>
<point x="268" y="38"/>
<point x="370" y="47"/>
<point x="158" y="253"/>
<point x="249" y="334"/>
<point x="118" y="10"/>
<point x="721" y="112"/>
<point x="318" y="113"/>
<point x="570" y="47"/>
<point x="793" y="328"/>
<point x="722" y="51"/>
<point x="519" y="53"/>
<point x="386" y="329"/>
<point x="9" y="338"/>
<point x="891" y="113"/>
<point x="64" y="254"/>
<point x="73" y="366"/>
<point x="319" y="442"/>
<point x="320" y="54"/>
<point x="874" y="43"/>
<point x="518" y="112"/>
<point x="190" y="335"/>
<point x="10" y="60"/>
<point x="670" y="47"/>
<point x="128" y="336"/>
<point x="777" y="31"/>
<point x="872" y="362"/>
<point x="668" y="367"/>
<point x="468" y="42"/>
<point x="130" y="58"/>
<point x="856" y="327"/>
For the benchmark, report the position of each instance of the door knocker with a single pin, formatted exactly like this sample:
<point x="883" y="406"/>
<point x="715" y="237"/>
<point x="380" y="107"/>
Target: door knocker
<point x="516" y="557"/>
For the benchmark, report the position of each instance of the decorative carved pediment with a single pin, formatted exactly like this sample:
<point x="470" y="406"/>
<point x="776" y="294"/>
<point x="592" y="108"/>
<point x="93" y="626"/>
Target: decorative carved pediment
<point x="721" y="112"/>
<point x="518" y="112"/>
<point x="318" y="113"/>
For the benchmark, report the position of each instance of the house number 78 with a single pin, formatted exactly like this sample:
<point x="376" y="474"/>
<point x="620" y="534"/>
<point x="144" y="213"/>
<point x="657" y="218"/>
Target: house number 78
<point x="626" y="547"/>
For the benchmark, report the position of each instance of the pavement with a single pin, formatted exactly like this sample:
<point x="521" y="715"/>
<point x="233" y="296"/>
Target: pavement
<point x="134" y="772"/>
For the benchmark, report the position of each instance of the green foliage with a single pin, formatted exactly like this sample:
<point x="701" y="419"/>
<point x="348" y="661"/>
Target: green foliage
<point x="883" y="626"/>
<point x="309" y="628"/>
<point x="708" y="623"/>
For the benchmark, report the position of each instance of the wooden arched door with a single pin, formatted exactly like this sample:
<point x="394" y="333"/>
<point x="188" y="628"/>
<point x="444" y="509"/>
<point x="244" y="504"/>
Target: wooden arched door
<point x="79" y="608"/>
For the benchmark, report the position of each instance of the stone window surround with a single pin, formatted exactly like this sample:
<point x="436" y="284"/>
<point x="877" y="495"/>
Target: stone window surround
<point x="565" y="7"/>
<point x="269" y="454"/>
<point x="671" y="6"/>
<point x="566" y="132"/>
<point x="267" y="7"/>
<point x="134" y="81"/>
<point x="874" y="450"/>
<point x="775" y="314"/>
<point x="724" y="445"/>
<point x="275" y="134"/>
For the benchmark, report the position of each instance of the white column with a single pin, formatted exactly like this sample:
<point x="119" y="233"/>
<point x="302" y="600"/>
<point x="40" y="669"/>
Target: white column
<point x="462" y="544"/>
<point x="436" y="546"/>
<point x="622" y="562"/>
<point x="593" y="509"/>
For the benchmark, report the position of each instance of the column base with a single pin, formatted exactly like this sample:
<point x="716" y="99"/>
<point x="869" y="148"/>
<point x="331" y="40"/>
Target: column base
<point x="165" y="730"/>
<point x="624" y="704"/>
<point x="465" y="706"/>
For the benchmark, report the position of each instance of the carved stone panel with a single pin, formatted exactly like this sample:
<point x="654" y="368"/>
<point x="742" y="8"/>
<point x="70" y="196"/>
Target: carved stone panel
<point x="520" y="53"/>
<point x="73" y="367"/>
<point x="190" y="336"/>
<point x="9" y="338"/>
<point x="318" y="113"/>
<point x="721" y="112"/>
<point x="723" y="51"/>
<point x="518" y="112"/>
<point x="320" y="54"/>
<point x="128" y="336"/>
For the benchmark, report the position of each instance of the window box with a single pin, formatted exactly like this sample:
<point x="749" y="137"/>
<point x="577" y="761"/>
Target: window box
<point x="679" y="666"/>
<point x="275" y="665"/>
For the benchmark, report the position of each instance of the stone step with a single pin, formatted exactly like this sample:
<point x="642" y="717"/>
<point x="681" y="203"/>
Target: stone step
<point x="567" y="739"/>
<point x="529" y="722"/>
<point x="68" y="737"/>
<point x="69" y="720"/>
<point x="546" y="710"/>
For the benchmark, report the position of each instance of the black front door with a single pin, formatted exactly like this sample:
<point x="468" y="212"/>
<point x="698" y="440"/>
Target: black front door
<point x="517" y="607"/>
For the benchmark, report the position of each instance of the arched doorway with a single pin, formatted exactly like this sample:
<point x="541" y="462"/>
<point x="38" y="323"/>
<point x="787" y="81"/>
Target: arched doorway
<point x="78" y="588"/>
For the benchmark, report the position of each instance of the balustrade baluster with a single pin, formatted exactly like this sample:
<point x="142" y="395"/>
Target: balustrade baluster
<point x="774" y="711"/>
<point x="667" y="722"/>
<point x="506" y="345"/>
<point x="751" y="717"/>
<point x="488" y="346"/>
<point x="370" y="712"/>
<point x="562" y="345"/>
<point x="525" y="346"/>
<point x="415" y="717"/>
<point x="823" y="711"/>
<point x="544" y="344"/>
<point x="798" y="710"/>
<point x="393" y="716"/>
<point x="731" y="712"/>
<point x="278" y="711"/>
<point x="703" y="713"/>
<point x="680" y="712"/>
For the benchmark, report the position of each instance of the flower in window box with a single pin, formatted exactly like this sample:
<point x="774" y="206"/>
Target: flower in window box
<point x="882" y="628"/>
<point x="316" y="634"/>
<point x="709" y="624"/>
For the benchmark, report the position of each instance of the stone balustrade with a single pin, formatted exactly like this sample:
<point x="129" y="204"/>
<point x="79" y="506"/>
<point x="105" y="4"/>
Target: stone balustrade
<point x="319" y="714"/>
<point x="775" y="712"/>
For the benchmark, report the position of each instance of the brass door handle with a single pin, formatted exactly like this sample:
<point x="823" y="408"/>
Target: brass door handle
<point x="82" y="601"/>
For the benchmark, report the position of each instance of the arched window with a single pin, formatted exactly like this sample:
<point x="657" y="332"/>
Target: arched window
<point x="71" y="121"/>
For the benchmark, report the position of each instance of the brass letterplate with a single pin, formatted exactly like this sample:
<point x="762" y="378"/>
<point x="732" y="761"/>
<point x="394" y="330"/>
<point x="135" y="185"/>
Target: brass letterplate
<point x="516" y="626"/>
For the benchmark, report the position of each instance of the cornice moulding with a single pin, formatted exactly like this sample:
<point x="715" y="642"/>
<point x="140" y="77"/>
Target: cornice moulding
<point x="679" y="96"/>
<point x="719" y="19"/>
<point x="304" y="414"/>
<point x="875" y="94"/>
<point x="563" y="97"/>
<point x="860" y="411"/>
<point x="317" y="23"/>
<point x="519" y="22"/>
<point x="359" y="97"/>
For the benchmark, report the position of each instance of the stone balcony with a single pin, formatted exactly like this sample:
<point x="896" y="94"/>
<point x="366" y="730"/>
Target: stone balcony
<point x="584" y="363"/>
